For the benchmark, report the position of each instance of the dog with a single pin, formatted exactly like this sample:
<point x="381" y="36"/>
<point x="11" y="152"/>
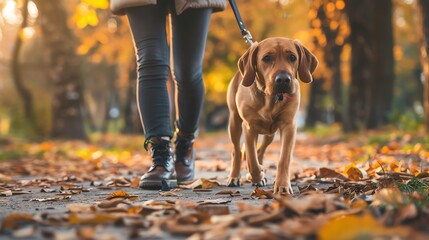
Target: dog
<point x="263" y="98"/>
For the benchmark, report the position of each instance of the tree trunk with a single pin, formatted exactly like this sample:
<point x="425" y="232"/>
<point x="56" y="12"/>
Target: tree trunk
<point x="64" y="70"/>
<point x="381" y="87"/>
<point x="23" y="92"/>
<point x="424" y="51"/>
<point x="315" y="109"/>
<point x="331" y="55"/>
<point x="359" y="13"/>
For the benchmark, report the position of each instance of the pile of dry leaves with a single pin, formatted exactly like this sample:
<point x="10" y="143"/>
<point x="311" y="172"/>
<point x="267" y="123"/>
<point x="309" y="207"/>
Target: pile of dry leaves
<point x="383" y="195"/>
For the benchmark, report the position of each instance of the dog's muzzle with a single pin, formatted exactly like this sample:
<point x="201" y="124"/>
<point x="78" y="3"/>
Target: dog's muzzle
<point x="283" y="85"/>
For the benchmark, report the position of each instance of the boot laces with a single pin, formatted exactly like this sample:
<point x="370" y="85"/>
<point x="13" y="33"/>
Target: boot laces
<point x="160" y="151"/>
<point x="182" y="145"/>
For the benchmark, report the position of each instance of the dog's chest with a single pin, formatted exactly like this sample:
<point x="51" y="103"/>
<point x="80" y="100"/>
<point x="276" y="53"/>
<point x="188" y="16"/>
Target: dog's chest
<point x="262" y="122"/>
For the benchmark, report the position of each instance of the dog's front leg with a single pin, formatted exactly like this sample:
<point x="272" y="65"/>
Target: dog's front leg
<point x="282" y="181"/>
<point x="256" y="172"/>
<point x="235" y="130"/>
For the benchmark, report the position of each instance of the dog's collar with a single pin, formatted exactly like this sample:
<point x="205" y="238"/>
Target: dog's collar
<point x="258" y="90"/>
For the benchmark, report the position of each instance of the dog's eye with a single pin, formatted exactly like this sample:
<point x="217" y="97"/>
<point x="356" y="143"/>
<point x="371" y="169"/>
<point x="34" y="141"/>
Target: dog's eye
<point x="292" y="58"/>
<point x="267" y="59"/>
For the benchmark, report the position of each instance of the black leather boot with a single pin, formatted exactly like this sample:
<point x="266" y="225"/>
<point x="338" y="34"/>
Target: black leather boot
<point x="162" y="173"/>
<point x="185" y="157"/>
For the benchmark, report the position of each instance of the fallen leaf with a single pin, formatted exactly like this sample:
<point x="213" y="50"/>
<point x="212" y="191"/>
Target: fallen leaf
<point x="71" y="187"/>
<point x="229" y="192"/>
<point x="202" y="183"/>
<point x="358" y="227"/>
<point x="53" y="199"/>
<point x="81" y="208"/>
<point x="355" y="173"/>
<point x="307" y="188"/>
<point x="314" y="201"/>
<point x="213" y="210"/>
<point x="389" y="196"/>
<point x="119" y="182"/>
<point x="96" y="218"/>
<point x="6" y="193"/>
<point x="259" y="193"/>
<point x="15" y="220"/>
<point x="329" y="173"/>
<point x="111" y="203"/>
<point x="214" y="201"/>
<point x="122" y="194"/>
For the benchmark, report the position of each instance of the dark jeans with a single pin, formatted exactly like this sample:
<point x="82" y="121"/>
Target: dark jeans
<point x="189" y="33"/>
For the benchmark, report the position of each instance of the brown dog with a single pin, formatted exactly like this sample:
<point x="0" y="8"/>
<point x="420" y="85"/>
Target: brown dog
<point x="263" y="98"/>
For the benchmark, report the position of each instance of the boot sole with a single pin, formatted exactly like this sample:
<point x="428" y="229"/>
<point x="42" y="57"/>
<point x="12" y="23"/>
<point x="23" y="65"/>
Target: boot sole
<point x="158" y="184"/>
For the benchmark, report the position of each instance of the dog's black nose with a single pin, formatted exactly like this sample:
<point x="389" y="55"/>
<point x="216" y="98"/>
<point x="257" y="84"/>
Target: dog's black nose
<point x="282" y="77"/>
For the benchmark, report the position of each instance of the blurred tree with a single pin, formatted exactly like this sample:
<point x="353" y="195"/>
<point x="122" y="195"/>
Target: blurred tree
<point x="424" y="50"/>
<point x="23" y="91"/>
<point x="105" y="40"/>
<point x="359" y="14"/>
<point x="64" y="70"/>
<point x="329" y="30"/>
<point x="382" y="73"/>
<point x="315" y="108"/>
<point x="372" y="73"/>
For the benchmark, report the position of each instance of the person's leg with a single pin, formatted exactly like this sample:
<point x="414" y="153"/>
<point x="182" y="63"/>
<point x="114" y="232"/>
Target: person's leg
<point x="189" y="40"/>
<point x="147" y="24"/>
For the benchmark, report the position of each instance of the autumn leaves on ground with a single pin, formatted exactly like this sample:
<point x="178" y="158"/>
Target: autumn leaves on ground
<point x="345" y="187"/>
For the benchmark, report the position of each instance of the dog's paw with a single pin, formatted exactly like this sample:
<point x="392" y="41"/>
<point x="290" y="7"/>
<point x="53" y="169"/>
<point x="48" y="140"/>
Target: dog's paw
<point x="261" y="183"/>
<point x="233" y="182"/>
<point x="255" y="182"/>
<point x="283" y="187"/>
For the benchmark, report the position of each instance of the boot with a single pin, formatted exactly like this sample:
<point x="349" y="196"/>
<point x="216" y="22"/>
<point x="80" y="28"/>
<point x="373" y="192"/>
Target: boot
<point x="185" y="157"/>
<point x="161" y="174"/>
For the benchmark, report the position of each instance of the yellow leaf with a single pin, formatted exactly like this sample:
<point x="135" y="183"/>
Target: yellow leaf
<point x="385" y="149"/>
<point x="355" y="173"/>
<point x="98" y="218"/>
<point x="357" y="227"/>
<point x="417" y="148"/>
<point x="121" y="194"/>
<point x="359" y="204"/>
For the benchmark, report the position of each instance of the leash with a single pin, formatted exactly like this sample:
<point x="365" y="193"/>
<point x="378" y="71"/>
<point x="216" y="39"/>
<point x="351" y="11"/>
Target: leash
<point x="244" y="32"/>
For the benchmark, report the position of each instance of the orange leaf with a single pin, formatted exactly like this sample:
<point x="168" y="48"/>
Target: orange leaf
<point x="329" y="173"/>
<point x="260" y="193"/>
<point x="121" y="194"/>
<point x="355" y="173"/>
<point x="14" y="220"/>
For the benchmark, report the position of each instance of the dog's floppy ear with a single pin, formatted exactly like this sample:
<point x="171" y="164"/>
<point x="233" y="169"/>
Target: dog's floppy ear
<point x="307" y="62"/>
<point x="247" y="65"/>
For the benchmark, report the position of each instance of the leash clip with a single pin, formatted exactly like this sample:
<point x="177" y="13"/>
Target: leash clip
<point x="247" y="36"/>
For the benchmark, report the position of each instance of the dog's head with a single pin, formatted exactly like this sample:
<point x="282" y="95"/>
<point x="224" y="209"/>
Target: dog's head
<point x="274" y="64"/>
